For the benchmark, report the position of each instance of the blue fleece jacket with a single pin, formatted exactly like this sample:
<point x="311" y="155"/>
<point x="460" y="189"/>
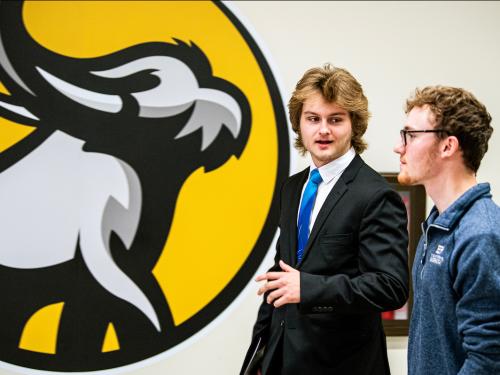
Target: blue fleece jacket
<point x="455" y="322"/>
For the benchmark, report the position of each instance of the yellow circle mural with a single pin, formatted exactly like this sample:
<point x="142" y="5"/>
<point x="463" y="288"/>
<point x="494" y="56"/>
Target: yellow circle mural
<point x="142" y="145"/>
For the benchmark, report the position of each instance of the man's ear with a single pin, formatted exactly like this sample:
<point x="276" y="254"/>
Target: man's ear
<point x="449" y="146"/>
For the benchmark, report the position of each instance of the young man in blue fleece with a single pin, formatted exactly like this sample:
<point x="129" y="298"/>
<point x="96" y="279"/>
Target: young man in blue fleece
<point x="455" y="323"/>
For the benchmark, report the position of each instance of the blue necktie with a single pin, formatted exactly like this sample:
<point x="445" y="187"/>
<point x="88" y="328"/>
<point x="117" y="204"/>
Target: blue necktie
<point x="305" y="211"/>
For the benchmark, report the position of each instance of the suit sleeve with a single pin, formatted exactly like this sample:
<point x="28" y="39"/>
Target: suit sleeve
<point x="263" y="322"/>
<point x="260" y="334"/>
<point x="382" y="282"/>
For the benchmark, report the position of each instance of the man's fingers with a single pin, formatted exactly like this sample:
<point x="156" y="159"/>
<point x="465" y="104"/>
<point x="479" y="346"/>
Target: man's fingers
<point x="275" y="284"/>
<point x="280" y="301"/>
<point x="270" y="285"/>
<point x="264" y="288"/>
<point x="283" y="286"/>
<point x="261" y="277"/>
<point x="269" y="276"/>
<point x="273" y="295"/>
<point x="285" y="267"/>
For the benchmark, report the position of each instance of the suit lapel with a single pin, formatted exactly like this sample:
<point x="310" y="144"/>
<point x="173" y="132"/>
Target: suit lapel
<point x="341" y="186"/>
<point x="294" y="209"/>
<point x="338" y="190"/>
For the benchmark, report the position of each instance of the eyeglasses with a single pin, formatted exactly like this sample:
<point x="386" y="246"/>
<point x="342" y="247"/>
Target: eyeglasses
<point x="404" y="133"/>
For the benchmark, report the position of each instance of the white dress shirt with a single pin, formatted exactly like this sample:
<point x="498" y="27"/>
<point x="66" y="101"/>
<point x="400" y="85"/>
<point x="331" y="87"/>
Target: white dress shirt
<point x="330" y="173"/>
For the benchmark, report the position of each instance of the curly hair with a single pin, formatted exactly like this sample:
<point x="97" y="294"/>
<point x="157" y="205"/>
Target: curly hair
<point x="336" y="85"/>
<point x="460" y="114"/>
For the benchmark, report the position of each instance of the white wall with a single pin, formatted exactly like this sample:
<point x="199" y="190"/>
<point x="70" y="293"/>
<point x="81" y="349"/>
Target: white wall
<point x="391" y="48"/>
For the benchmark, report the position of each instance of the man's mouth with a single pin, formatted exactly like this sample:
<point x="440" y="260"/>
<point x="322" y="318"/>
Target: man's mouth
<point x="324" y="142"/>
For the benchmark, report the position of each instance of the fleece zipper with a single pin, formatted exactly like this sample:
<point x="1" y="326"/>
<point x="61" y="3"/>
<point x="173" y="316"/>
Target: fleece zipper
<point x="423" y="260"/>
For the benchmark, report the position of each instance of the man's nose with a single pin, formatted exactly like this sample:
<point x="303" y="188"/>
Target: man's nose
<point x="323" y="127"/>
<point x="399" y="148"/>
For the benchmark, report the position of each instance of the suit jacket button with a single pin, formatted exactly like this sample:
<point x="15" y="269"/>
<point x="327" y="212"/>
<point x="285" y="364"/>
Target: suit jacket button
<point x="282" y="323"/>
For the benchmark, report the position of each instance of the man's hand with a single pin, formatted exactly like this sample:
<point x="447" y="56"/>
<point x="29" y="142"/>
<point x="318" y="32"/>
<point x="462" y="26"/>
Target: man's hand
<point x="285" y="286"/>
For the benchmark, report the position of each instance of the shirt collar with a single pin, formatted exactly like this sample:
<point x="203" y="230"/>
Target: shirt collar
<point x="331" y="170"/>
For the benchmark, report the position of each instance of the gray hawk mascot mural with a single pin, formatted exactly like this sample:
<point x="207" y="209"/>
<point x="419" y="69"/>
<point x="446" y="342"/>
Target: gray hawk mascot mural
<point x="85" y="204"/>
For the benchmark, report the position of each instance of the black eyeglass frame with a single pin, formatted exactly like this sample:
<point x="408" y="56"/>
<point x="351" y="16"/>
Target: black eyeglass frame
<point x="404" y="132"/>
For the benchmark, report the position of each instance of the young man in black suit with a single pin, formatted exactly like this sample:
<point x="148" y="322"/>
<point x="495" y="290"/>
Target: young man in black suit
<point x="341" y="258"/>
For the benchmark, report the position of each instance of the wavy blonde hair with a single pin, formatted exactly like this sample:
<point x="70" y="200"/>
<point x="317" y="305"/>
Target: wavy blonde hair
<point x="336" y="85"/>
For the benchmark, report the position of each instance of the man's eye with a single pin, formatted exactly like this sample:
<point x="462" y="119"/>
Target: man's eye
<point x="411" y="135"/>
<point x="335" y="120"/>
<point x="313" y="119"/>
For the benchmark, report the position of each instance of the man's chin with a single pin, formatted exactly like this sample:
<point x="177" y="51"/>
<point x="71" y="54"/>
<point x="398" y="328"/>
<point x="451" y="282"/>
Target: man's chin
<point x="404" y="179"/>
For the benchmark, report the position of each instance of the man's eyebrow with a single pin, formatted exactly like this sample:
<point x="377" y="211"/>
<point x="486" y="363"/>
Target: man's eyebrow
<point x="329" y="115"/>
<point x="343" y="113"/>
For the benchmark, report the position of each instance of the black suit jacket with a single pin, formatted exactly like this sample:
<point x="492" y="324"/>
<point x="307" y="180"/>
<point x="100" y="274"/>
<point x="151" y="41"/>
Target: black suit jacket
<point x="354" y="267"/>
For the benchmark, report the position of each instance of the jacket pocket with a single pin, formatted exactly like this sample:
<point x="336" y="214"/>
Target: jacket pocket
<point x="337" y="250"/>
<point x="336" y="238"/>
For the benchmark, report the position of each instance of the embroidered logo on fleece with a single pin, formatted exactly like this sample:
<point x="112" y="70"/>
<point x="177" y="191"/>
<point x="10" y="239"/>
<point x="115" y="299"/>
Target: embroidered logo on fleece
<point x="436" y="258"/>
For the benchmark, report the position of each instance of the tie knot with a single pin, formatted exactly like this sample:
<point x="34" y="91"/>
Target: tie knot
<point x="315" y="177"/>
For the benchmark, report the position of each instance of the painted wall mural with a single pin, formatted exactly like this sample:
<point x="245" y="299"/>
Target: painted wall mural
<point x="142" y="147"/>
